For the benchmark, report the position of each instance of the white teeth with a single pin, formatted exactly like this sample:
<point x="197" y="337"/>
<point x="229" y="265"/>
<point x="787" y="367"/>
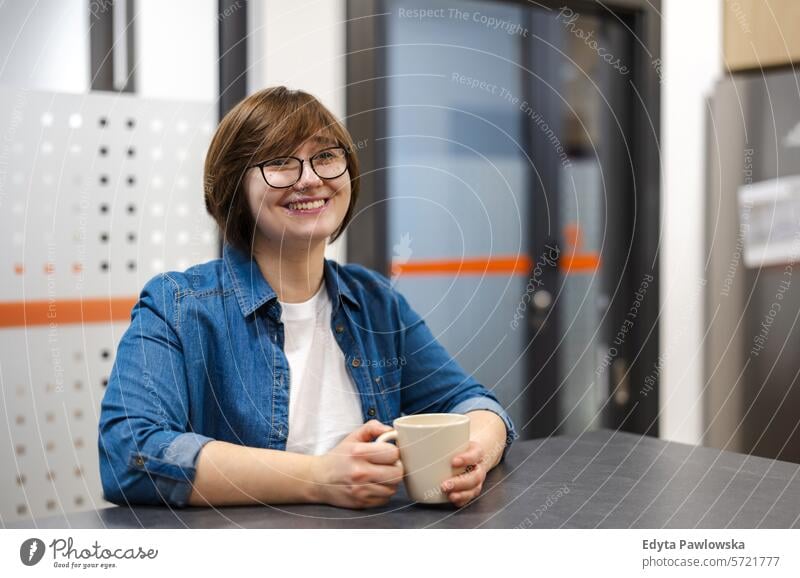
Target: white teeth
<point x="306" y="206"/>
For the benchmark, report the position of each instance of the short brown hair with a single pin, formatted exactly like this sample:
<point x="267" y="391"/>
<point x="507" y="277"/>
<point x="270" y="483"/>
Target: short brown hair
<point x="269" y="123"/>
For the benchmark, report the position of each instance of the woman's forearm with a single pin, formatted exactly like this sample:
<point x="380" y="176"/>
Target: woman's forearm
<point x="230" y="474"/>
<point x="489" y="431"/>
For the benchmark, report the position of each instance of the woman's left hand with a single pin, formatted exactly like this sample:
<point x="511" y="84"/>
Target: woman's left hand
<point x="466" y="486"/>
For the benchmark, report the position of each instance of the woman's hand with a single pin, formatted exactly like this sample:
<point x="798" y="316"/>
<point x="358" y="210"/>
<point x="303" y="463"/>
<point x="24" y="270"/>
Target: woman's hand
<point x="466" y="486"/>
<point x="358" y="473"/>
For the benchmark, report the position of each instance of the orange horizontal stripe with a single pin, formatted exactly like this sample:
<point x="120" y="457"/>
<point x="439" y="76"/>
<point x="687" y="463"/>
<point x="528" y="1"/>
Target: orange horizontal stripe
<point x="71" y="311"/>
<point x="510" y="265"/>
<point x="513" y="265"/>
<point x="579" y="263"/>
<point x="65" y="311"/>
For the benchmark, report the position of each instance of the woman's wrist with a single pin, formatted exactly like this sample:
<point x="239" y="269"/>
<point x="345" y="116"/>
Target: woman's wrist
<point x="315" y="483"/>
<point x="489" y="431"/>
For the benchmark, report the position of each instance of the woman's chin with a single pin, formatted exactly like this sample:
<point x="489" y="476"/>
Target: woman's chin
<point x="303" y="237"/>
<point x="293" y="231"/>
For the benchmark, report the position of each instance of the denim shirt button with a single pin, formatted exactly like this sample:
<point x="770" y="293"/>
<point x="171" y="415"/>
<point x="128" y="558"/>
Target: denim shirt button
<point x="356" y="362"/>
<point x="339" y="328"/>
<point x="139" y="461"/>
<point x="371" y="412"/>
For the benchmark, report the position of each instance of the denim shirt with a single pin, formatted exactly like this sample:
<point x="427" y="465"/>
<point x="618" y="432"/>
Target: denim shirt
<point x="203" y="360"/>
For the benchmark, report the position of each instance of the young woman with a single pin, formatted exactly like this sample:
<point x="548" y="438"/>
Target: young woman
<point x="265" y="376"/>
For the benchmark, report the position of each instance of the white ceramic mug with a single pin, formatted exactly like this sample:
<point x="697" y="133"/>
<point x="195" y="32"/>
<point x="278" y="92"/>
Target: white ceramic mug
<point x="428" y="442"/>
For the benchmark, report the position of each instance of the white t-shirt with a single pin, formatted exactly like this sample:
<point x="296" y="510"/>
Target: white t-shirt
<point x="324" y="405"/>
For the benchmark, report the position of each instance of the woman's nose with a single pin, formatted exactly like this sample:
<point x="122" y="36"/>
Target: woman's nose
<point x="308" y="178"/>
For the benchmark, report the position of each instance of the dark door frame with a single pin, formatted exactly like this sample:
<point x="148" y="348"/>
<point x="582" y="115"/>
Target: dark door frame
<point x="367" y="242"/>
<point x="103" y="42"/>
<point x="232" y="51"/>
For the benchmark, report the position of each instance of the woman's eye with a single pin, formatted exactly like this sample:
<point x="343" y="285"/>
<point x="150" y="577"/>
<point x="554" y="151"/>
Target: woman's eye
<point x="328" y="156"/>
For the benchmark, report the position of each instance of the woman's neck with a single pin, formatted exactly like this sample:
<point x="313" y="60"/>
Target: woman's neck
<point x="295" y="274"/>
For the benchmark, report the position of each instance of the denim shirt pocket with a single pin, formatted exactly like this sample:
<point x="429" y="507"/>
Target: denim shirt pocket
<point x="387" y="380"/>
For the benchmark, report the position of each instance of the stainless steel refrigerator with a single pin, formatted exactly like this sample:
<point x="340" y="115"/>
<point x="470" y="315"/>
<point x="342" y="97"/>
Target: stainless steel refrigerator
<point x="752" y="338"/>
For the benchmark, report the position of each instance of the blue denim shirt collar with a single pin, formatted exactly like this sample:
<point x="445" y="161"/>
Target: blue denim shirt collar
<point x="253" y="290"/>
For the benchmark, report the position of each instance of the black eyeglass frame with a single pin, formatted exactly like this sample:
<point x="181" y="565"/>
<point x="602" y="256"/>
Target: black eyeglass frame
<point x="302" y="161"/>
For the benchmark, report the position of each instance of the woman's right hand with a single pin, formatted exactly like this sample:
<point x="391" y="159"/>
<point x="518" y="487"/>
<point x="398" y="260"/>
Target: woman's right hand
<point x="358" y="473"/>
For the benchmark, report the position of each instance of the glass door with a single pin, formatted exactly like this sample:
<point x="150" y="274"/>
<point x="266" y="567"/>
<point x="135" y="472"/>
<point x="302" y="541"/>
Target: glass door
<point x="503" y="197"/>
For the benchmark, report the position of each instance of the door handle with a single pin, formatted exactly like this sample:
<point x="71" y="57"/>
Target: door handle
<point x="542" y="301"/>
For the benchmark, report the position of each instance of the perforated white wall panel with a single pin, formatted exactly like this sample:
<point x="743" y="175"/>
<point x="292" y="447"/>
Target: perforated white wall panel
<point x="98" y="193"/>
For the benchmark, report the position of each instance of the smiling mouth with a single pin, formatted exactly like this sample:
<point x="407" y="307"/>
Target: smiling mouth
<point x="308" y="205"/>
<point x="314" y="206"/>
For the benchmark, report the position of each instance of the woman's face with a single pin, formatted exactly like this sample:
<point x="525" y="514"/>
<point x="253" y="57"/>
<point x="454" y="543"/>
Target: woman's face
<point x="280" y="221"/>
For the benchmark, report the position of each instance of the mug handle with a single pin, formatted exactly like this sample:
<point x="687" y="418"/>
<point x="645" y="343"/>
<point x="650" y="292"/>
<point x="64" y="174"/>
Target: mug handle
<point x="389" y="436"/>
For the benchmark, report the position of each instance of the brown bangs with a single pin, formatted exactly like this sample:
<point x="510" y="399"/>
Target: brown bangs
<point x="300" y="120"/>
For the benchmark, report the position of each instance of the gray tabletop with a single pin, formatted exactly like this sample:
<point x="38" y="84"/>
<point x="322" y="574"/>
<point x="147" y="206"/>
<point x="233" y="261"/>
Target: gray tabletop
<point x="602" y="479"/>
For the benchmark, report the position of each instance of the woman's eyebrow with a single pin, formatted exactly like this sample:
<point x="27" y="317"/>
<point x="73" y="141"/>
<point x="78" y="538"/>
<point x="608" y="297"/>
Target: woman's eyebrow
<point x="324" y="140"/>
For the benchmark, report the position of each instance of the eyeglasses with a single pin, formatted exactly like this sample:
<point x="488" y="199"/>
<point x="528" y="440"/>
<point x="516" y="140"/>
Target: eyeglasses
<point x="283" y="172"/>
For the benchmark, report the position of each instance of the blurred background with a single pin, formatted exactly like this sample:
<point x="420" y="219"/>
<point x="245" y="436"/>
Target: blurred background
<point x="594" y="205"/>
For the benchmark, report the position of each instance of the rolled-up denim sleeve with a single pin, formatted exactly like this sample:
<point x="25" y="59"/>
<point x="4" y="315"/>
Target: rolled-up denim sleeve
<point x="487" y="403"/>
<point x="432" y="381"/>
<point x="147" y="450"/>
